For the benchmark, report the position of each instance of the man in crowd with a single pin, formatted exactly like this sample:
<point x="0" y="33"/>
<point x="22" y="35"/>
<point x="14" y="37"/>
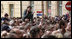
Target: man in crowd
<point x="28" y="14"/>
<point x="5" y="17"/>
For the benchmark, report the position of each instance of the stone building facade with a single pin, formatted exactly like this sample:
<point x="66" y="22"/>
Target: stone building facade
<point x="53" y="8"/>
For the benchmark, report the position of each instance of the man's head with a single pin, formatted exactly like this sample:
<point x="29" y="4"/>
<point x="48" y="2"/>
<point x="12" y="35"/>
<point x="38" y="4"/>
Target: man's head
<point x="34" y="32"/>
<point x="6" y="15"/>
<point x="62" y="24"/>
<point x="29" y="8"/>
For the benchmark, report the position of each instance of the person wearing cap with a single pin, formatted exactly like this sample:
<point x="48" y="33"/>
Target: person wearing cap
<point x="28" y="14"/>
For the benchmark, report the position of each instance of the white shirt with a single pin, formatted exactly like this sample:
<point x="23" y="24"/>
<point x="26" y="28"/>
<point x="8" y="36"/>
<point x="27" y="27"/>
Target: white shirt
<point x="11" y="22"/>
<point x="10" y="27"/>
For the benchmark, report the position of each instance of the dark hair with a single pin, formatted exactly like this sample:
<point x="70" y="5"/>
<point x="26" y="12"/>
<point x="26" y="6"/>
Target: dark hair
<point x="49" y="36"/>
<point x="34" y="17"/>
<point x="38" y="17"/>
<point x="43" y="30"/>
<point x="29" y="7"/>
<point x="20" y="21"/>
<point x="6" y="14"/>
<point x="34" y="31"/>
<point x="61" y="23"/>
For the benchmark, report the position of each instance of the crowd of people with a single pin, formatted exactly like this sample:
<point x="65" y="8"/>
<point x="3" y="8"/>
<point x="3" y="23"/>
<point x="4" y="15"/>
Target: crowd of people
<point x="47" y="27"/>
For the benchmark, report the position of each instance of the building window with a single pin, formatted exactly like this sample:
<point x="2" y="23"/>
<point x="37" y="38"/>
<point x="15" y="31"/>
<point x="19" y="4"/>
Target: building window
<point x="11" y="9"/>
<point x="60" y="8"/>
<point x="49" y="8"/>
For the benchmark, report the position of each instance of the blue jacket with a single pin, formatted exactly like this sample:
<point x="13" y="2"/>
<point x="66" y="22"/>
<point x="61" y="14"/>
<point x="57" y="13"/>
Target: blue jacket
<point x="5" y="19"/>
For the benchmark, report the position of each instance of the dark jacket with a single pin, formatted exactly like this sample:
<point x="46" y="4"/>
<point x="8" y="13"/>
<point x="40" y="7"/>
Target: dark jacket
<point x="29" y="15"/>
<point x="5" y="27"/>
<point x="5" y="19"/>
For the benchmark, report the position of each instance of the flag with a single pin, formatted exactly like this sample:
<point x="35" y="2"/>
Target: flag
<point x="39" y="13"/>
